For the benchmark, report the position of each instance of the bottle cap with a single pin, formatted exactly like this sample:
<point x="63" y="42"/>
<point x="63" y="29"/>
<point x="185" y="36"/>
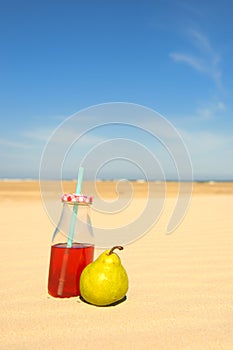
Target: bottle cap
<point x="76" y="198"/>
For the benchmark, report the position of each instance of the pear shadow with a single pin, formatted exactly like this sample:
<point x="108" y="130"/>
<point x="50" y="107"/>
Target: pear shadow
<point x="113" y="304"/>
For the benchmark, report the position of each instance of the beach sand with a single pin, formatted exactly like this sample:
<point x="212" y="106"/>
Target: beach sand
<point x="180" y="285"/>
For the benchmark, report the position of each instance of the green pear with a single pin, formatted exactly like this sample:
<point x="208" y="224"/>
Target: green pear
<point x="104" y="281"/>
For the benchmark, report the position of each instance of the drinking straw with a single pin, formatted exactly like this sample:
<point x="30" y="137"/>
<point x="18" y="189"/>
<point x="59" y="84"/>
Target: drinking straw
<point x="70" y="237"/>
<point x="75" y="209"/>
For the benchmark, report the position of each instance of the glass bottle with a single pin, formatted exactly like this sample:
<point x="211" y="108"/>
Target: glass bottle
<point x="72" y="246"/>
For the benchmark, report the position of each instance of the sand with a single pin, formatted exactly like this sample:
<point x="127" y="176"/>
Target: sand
<point x="181" y="285"/>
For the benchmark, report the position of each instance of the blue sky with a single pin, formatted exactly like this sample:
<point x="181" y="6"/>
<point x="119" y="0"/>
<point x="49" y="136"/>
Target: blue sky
<point x="59" y="57"/>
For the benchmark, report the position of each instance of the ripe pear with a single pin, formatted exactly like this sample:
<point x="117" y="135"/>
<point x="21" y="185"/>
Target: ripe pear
<point x="104" y="281"/>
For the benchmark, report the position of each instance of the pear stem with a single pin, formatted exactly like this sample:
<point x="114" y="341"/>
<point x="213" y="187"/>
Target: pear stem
<point x="115" y="247"/>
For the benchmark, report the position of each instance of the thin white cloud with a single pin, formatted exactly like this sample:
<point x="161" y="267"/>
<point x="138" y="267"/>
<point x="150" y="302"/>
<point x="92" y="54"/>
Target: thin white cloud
<point x="13" y="144"/>
<point x="201" y="41"/>
<point x="192" y="9"/>
<point x="38" y="134"/>
<point x="211" y="154"/>
<point x="190" y="60"/>
<point x="203" y="143"/>
<point x="206" y="60"/>
<point x="210" y="111"/>
<point x="214" y="109"/>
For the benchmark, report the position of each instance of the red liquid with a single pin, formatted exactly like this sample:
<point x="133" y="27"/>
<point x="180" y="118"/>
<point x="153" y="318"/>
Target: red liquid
<point x="66" y="265"/>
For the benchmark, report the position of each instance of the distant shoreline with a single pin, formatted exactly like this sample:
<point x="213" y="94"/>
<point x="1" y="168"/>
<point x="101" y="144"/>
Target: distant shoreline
<point x="116" y="180"/>
<point x="114" y="188"/>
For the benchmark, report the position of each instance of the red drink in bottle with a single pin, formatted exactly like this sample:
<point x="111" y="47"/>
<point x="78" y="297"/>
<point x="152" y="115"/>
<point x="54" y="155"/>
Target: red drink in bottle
<point x="66" y="265"/>
<point x="72" y="246"/>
